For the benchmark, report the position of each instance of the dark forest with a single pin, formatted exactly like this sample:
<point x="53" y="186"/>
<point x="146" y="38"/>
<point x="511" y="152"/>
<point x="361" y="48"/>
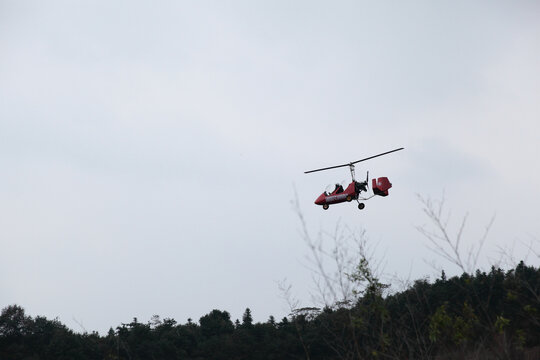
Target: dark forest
<point x="485" y="315"/>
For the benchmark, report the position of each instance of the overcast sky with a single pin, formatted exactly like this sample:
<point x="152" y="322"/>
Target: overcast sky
<point x="150" y="151"/>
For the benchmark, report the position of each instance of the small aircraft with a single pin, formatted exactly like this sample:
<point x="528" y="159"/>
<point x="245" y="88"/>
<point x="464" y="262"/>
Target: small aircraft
<point x="380" y="186"/>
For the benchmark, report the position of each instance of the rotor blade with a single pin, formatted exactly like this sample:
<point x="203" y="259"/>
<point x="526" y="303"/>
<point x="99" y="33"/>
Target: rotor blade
<point x="338" y="166"/>
<point x="374" y="156"/>
<point x="326" y="168"/>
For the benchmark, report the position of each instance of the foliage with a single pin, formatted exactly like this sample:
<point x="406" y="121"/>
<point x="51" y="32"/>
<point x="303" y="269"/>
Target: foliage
<point x="486" y="315"/>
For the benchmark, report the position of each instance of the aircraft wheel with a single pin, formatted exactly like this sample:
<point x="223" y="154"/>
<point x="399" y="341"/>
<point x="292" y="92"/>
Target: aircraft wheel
<point x="349" y="198"/>
<point x="361" y="206"/>
<point x="325" y="206"/>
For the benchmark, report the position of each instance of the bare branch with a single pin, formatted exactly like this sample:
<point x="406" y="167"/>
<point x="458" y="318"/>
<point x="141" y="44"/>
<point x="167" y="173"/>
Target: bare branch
<point x="285" y="290"/>
<point x="334" y="256"/>
<point x="445" y="245"/>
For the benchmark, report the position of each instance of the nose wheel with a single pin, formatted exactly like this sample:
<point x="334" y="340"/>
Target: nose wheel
<point x="325" y="206"/>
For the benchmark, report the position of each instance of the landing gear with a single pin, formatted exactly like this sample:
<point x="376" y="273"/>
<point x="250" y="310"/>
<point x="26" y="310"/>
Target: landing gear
<point x="361" y="206"/>
<point x="325" y="206"/>
<point x="348" y="198"/>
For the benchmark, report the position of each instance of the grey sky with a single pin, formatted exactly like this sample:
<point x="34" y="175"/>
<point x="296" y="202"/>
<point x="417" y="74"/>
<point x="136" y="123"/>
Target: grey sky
<point x="149" y="152"/>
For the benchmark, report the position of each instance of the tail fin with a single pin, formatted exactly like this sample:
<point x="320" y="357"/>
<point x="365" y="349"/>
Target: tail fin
<point x="380" y="186"/>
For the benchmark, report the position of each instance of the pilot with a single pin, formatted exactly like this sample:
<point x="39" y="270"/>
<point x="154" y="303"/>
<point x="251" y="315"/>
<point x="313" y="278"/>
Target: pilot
<point x="338" y="189"/>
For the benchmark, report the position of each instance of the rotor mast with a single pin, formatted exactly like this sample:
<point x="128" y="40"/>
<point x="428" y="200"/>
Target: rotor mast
<point x="351" y="167"/>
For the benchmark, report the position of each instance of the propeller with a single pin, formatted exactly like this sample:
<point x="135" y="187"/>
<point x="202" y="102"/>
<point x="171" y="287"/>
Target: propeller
<point x="367" y="179"/>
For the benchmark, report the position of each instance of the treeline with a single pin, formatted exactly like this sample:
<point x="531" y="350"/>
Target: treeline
<point x="494" y="315"/>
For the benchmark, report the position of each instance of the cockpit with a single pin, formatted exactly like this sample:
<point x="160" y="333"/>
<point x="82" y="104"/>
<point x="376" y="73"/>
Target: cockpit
<point x="334" y="189"/>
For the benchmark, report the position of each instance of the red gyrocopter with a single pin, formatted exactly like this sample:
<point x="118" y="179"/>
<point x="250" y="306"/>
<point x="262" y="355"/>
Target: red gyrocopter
<point x="380" y="186"/>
